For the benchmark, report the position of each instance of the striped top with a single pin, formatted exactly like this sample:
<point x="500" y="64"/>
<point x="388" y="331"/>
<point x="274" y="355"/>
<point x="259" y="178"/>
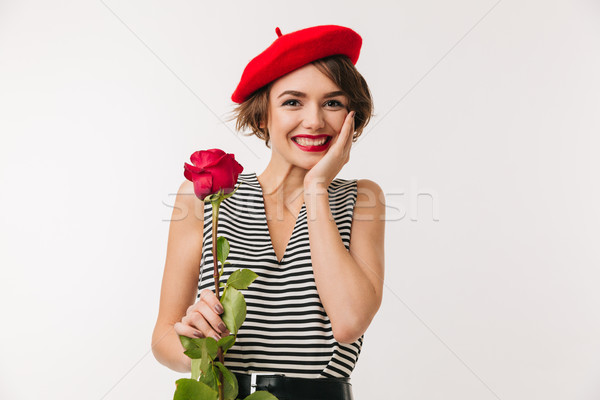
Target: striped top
<point x="286" y="329"/>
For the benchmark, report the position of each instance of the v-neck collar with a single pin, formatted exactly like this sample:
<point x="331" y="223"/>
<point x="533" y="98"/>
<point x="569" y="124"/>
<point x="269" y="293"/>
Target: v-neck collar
<point x="264" y="214"/>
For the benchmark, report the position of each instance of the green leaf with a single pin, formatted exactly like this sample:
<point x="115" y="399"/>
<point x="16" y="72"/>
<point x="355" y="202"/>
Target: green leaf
<point x="196" y="369"/>
<point x="222" y="249"/>
<point x="210" y="378"/>
<point x="235" y="309"/>
<point x="230" y="383"/>
<point x="226" y="342"/>
<point x="187" y="343"/>
<point x="242" y="278"/>
<point x="204" y="362"/>
<point x="211" y="347"/>
<point x="191" y="389"/>
<point x="261" y="395"/>
<point x="194" y="347"/>
<point x="194" y="354"/>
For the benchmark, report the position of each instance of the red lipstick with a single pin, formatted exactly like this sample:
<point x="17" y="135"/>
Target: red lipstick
<point x="311" y="148"/>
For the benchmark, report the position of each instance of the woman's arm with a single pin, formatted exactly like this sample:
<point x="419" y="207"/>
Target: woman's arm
<point x="180" y="278"/>
<point x="350" y="284"/>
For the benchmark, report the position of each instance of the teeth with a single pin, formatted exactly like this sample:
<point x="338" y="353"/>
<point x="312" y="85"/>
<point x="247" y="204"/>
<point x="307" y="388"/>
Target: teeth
<point x="309" y="142"/>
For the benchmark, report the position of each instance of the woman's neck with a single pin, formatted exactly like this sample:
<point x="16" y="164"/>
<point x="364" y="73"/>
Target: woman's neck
<point x="284" y="183"/>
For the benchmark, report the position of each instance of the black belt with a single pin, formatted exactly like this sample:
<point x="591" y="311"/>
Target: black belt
<point x="289" y="388"/>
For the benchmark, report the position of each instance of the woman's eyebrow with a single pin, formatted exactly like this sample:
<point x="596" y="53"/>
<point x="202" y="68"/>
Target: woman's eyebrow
<point x="301" y="94"/>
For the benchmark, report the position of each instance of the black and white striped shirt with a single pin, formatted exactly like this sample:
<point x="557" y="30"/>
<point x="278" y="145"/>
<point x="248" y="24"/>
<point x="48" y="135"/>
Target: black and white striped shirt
<point x="286" y="328"/>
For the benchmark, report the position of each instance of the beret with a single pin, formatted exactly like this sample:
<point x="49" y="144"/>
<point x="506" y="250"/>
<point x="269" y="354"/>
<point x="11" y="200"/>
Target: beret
<point x="294" y="50"/>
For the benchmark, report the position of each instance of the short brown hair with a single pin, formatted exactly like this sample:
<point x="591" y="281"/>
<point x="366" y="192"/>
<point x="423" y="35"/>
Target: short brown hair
<point x="340" y="70"/>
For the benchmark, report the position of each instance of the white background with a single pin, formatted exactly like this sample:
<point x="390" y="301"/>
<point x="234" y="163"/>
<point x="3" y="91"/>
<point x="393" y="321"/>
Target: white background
<point x="491" y="109"/>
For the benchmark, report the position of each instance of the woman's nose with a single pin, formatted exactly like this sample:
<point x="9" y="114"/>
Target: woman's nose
<point x="313" y="118"/>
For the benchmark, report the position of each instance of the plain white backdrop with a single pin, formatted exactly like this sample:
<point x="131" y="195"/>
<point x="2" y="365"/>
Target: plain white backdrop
<point x="485" y="142"/>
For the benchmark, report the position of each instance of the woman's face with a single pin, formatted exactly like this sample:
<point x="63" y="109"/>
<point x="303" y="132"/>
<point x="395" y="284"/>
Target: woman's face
<point x="304" y="102"/>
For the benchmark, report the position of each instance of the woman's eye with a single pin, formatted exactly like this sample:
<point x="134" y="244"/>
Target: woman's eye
<point x="329" y="103"/>
<point x="334" y="103"/>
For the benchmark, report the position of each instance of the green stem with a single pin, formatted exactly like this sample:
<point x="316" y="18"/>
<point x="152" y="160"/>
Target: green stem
<point x="215" y="223"/>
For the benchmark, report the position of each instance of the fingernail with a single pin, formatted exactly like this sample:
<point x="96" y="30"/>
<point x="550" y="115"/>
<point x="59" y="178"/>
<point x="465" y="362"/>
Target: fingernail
<point x="219" y="308"/>
<point x="216" y="337"/>
<point x="198" y="334"/>
<point x="222" y="327"/>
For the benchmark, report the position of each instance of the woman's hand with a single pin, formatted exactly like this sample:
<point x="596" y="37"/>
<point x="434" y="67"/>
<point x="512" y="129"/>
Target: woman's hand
<point x="202" y="319"/>
<point x="336" y="157"/>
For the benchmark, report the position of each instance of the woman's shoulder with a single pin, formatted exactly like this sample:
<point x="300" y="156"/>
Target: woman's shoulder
<point x="188" y="203"/>
<point x="367" y="196"/>
<point x="360" y="184"/>
<point x="368" y="185"/>
<point x="370" y="198"/>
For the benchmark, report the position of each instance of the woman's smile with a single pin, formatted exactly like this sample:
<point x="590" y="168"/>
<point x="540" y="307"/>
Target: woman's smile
<point x="312" y="143"/>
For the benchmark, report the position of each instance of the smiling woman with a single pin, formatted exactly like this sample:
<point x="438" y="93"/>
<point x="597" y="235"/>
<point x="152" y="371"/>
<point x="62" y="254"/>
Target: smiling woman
<point x="352" y="93"/>
<point x="315" y="240"/>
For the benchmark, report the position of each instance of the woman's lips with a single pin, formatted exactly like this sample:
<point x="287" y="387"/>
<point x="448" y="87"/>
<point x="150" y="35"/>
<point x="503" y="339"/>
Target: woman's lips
<point x="313" y="148"/>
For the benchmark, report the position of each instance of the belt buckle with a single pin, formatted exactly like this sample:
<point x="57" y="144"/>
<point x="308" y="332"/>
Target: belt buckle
<point x="253" y="380"/>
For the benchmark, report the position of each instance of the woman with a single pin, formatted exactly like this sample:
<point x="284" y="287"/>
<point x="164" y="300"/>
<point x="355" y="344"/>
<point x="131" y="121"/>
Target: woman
<point x="317" y="290"/>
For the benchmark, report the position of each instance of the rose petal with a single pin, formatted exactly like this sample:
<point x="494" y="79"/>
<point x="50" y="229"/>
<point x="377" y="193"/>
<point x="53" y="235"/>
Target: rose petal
<point x="204" y="158"/>
<point x="216" y="152"/>
<point x="215" y="161"/>
<point x="192" y="168"/>
<point x="202" y="185"/>
<point x="201" y="158"/>
<point x="188" y="175"/>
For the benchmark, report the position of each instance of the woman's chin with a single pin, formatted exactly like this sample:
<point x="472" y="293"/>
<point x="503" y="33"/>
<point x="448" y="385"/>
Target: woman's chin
<point x="307" y="164"/>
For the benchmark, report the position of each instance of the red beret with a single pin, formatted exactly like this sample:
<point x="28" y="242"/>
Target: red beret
<point x="294" y="50"/>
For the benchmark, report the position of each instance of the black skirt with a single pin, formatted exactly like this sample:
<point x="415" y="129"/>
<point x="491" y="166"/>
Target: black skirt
<point x="289" y="388"/>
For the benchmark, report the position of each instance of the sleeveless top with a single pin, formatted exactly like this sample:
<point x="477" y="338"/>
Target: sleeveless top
<point x="286" y="329"/>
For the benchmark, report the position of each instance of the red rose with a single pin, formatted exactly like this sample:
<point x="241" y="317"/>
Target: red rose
<point x="212" y="170"/>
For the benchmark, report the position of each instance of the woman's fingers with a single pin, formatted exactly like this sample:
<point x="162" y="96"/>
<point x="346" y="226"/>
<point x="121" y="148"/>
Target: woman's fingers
<point x="212" y="318"/>
<point x="345" y="136"/>
<point x="347" y="127"/>
<point x="187" y="330"/>
<point x="197" y="321"/>
<point x="210" y="298"/>
<point x="202" y="318"/>
<point x="349" y="136"/>
<point x="211" y="307"/>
